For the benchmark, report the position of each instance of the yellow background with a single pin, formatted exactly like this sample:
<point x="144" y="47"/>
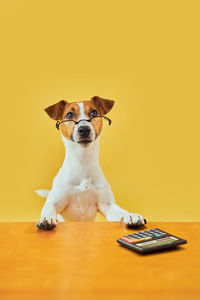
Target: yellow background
<point x="143" y="54"/>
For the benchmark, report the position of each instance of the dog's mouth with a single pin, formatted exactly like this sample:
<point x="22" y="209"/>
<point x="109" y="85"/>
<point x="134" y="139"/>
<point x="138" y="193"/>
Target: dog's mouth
<point x="84" y="142"/>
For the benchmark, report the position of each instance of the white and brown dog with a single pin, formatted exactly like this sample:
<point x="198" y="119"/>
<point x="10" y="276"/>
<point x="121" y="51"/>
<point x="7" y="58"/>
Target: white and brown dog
<point x="80" y="189"/>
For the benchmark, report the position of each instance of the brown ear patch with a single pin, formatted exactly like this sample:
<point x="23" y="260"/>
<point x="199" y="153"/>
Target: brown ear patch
<point x="103" y="105"/>
<point x="55" y="111"/>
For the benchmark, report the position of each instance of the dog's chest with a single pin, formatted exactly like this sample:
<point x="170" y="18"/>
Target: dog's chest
<point x="82" y="200"/>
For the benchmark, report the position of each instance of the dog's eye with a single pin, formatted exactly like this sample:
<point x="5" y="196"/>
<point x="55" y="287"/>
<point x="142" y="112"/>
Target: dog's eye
<point x="69" y="115"/>
<point x="93" y="113"/>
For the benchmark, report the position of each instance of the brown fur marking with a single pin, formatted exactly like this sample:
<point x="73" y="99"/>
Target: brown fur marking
<point x="96" y="122"/>
<point x="104" y="105"/>
<point x="67" y="128"/>
<point x="55" y="111"/>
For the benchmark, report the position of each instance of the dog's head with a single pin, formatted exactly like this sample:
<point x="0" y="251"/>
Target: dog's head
<point x="83" y="132"/>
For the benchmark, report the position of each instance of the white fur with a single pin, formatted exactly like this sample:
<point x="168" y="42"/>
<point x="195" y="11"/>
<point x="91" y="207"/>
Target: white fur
<point x="82" y="111"/>
<point x="80" y="189"/>
<point x="42" y="193"/>
<point x="83" y="123"/>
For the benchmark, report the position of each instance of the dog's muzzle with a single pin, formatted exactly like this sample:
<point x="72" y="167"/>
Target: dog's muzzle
<point x="84" y="131"/>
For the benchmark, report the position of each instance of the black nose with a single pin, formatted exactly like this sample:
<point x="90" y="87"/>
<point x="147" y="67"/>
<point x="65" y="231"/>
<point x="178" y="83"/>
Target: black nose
<point x="84" y="131"/>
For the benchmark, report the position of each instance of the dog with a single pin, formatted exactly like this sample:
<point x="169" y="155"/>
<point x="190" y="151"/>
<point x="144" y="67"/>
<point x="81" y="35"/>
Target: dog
<point x="80" y="189"/>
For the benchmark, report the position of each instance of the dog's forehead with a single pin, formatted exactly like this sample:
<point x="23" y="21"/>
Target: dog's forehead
<point x="88" y="105"/>
<point x="73" y="106"/>
<point x="81" y="109"/>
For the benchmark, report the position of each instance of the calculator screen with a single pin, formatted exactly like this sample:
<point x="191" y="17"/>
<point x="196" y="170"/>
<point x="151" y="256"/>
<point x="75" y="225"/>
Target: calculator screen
<point x="163" y="241"/>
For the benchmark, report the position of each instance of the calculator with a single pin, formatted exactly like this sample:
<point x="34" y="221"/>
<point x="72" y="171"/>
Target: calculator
<point x="150" y="240"/>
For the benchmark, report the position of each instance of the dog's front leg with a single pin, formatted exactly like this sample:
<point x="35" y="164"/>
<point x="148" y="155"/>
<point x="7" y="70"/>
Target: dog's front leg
<point x="54" y="204"/>
<point x="114" y="212"/>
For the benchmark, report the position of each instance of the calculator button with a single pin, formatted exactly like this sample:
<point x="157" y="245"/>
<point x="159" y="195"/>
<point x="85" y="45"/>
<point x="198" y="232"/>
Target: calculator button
<point x="160" y="232"/>
<point x="147" y="238"/>
<point x="124" y="238"/>
<point x="131" y="238"/>
<point x="142" y="239"/>
<point x="134" y="241"/>
<point x="127" y="240"/>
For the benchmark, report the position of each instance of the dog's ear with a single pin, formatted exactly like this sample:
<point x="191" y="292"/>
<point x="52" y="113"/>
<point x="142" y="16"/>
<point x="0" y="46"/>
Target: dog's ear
<point x="55" y="111"/>
<point x="104" y="105"/>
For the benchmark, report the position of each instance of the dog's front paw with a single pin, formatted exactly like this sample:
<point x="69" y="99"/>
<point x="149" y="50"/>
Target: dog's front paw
<point x="133" y="220"/>
<point x="47" y="223"/>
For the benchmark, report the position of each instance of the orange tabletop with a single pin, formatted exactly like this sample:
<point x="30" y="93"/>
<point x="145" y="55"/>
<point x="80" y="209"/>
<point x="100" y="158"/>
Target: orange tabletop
<point x="84" y="261"/>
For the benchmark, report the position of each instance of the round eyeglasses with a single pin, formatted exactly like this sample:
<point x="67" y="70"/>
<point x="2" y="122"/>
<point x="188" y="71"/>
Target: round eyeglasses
<point x="87" y="120"/>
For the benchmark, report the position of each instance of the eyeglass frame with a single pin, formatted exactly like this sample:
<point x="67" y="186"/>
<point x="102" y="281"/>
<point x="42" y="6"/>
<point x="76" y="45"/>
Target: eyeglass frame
<point x="87" y="120"/>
